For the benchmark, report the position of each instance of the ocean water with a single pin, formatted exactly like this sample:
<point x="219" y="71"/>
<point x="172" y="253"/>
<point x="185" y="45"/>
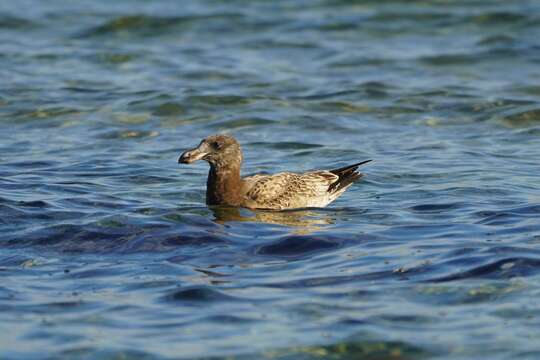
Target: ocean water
<point x="108" y="251"/>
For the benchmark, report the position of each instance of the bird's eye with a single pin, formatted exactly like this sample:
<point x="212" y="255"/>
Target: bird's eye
<point x="216" y="145"/>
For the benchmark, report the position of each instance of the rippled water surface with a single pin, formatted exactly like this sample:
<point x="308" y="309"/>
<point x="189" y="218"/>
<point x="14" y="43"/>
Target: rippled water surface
<point x="107" y="249"/>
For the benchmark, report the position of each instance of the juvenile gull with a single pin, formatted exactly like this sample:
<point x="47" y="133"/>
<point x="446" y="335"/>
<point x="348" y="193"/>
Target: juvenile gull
<point x="281" y="191"/>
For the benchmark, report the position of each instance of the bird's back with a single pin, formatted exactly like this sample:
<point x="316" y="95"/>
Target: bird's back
<point x="288" y="190"/>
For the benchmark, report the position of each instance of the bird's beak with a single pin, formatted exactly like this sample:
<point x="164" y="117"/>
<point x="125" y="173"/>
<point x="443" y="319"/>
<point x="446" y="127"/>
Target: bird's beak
<point x="193" y="155"/>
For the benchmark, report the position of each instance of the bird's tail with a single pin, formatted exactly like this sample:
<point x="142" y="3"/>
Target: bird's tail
<point x="347" y="175"/>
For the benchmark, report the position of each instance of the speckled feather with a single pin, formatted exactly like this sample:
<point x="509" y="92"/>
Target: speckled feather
<point x="290" y="190"/>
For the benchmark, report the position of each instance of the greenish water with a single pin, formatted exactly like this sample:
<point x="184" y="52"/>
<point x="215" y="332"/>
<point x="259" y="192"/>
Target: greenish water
<point x="107" y="250"/>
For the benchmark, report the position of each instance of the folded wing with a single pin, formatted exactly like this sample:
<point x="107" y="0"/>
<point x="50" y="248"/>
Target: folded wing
<point x="290" y="190"/>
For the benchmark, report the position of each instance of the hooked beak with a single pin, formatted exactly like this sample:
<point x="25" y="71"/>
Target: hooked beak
<point x="192" y="155"/>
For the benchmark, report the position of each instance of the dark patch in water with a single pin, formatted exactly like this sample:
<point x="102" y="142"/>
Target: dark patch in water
<point x="498" y="18"/>
<point x="435" y="208"/>
<point x="143" y="25"/>
<point x="218" y="100"/>
<point x="337" y="280"/>
<point x="12" y="22"/>
<point x="501" y="269"/>
<point x="169" y="109"/>
<point x="299" y="246"/>
<point x="192" y="239"/>
<point x="524" y="118"/>
<point x="243" y="122"/>
<point x="195" y="295"/>
<point x="501" y="40"/>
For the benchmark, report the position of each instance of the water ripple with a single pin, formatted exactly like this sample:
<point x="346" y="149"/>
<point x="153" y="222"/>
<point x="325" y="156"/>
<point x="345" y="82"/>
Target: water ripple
<point x="501" y="269"/>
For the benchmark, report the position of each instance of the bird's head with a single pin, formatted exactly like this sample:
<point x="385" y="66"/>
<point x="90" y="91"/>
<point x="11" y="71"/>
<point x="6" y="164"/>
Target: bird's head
<point x="215" y="149"/>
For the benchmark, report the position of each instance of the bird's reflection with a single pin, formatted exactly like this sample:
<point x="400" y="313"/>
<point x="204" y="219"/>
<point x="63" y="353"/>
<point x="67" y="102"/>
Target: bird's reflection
<point x="303" y="221"/>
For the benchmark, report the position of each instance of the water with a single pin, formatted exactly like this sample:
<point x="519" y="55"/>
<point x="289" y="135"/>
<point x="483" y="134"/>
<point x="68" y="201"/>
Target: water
<point x="107" y="249"/>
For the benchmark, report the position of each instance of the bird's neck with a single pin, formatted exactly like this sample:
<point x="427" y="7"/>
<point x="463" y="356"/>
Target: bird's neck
<point x="224" y="185"/>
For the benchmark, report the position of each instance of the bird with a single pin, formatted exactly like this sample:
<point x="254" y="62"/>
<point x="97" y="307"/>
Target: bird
<point x="280" y="191"/>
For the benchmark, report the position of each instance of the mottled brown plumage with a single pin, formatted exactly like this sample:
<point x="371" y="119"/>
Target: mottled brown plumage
<point x="280" y="191"/>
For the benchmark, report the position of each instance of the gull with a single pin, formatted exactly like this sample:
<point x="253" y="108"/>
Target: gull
<point x="281" y="191"/>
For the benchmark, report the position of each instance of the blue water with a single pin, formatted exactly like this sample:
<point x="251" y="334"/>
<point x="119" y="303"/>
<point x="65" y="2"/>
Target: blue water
<point x="107" y="250"/>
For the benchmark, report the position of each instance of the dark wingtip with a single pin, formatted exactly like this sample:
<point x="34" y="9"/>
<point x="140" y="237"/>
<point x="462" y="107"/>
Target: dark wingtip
<point x="363" y="162"/>
<point x="347" y="175"/>
<point x="349" y="168"/>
